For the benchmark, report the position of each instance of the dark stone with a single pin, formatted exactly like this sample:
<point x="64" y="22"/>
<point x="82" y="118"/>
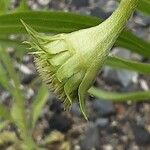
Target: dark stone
<point x="103" y="108"/>
<point x="91" y="139"/>
<point x="56" y="106"/>
<point x="97" y="12"/>
<point x="80" y="3"/>
<point x="141" y="134"/>
<point x="27" y="78"/>
<point x="115" y="130"/>
<point x="102" y="122"/>
<point x="75" y="110"/>
<point x="60" y="123"/>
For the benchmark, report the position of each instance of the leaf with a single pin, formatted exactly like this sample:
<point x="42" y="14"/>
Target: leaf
<point x="20" y="48"/>
<point x="54" y="137"/>
<point x="3" y="125"/>
<point x="18" y="116"/>
<point x="12" y="74"/>
<point x="133" y="43"/>
<point x="18" y="110"/>
<point x="3" y="78"/>
<point x="4" y="6"/>
<point x="120" y="97"/>
<point x="121" y="63"/>
<point x="4" y="113"/>
<point x="56" y="22"/>
<point x="8" y="137"/>
<point x="144" y="6"/>
<point x="39" y="103"/>
<point x="23" y="6"/>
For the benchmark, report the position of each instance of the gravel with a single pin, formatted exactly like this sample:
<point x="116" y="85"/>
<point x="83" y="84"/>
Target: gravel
<point x="113" y="126"/>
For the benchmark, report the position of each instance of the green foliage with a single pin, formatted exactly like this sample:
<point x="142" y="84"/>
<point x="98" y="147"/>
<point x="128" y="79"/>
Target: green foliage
<point x="144" y="6"/>
<point x="51" y="23"/>
<point x="120" y="97"/>
<point x="23" y="6"/>
<point x="4" y="4"/>
<point x="121" y="63"/>
<point x="4" y="113"/>
<point x="38" y="104"/>
<point x="57" y="22"/>
<point x="17" y="113"/>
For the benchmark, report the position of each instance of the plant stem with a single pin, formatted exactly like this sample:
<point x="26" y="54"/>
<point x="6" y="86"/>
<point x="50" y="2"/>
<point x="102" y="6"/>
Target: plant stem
<point x="123" y="13"/>
<point x="112" y="27"/>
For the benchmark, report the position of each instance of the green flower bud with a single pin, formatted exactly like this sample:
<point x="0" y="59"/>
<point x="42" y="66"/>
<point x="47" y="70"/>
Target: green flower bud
<point x="69" y="63"/>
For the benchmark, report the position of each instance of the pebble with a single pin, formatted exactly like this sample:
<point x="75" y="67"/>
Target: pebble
<point x="102" y="122"/>
<point x="75" y="110"/>
<point x="103" y="108"/>
<point x="80" y="3"/>
<point x="107" y="147"/>
<point x="44" y="2"/>
<point x="56" y="106"/>
<point x="98" y="12"/>
<point x="120" y="76"/>
<point x="27" y="78"/>
<point x="141" y="135"/>
<point x="91" y="139"/>
<point x="60" y="123"/>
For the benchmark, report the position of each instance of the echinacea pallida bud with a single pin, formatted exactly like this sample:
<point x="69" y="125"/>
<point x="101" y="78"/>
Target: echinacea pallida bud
<point x="69" y="63"/>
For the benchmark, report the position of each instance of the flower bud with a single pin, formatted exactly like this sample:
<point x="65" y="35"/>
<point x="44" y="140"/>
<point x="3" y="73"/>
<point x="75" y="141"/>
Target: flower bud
<point x="69" y="63"/>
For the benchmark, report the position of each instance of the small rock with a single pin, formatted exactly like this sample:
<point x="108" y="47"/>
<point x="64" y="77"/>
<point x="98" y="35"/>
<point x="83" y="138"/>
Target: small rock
<point x="123" y="77"/>
<point x="60" y="123"/>
<point x="142" y="20"/>
<point x="80" y="3"/>
<point x="110" y="6"/>
<point x="75" y="110"/>
<point x="27" y="78"/>
<point x="141" y="134"/>
<point x="44" y="2"/>
<point x="103" y="108"/>
<point x="107" y="147"/>
<point x="56" y="106"/>
<point x="102" y="122"/>
<point x="97" y="12"/>
<point x="91" y="139"/>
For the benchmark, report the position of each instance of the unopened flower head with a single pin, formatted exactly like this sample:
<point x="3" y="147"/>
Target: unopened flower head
<point x="69" y="63"/>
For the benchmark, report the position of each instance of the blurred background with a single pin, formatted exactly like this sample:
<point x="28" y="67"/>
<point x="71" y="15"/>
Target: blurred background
<point x="111" y="126"/>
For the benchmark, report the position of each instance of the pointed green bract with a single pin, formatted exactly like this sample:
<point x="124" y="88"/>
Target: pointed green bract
<point x="69" y="63"/>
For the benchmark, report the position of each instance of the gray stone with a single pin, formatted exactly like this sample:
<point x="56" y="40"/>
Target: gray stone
<point x="91" y="139"/>
<point x="103" y="108"/>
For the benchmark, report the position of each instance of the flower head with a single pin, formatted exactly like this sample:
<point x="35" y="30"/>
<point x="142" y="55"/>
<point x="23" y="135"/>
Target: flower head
<point x="69" y="63"/>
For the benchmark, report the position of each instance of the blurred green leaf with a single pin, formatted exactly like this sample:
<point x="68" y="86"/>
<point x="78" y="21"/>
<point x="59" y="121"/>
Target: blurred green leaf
<point x="120" y="97"/>
<point x="12" y="74"/>
<point x="5" y="113"/>
<point x="18" y="116"/>
<point x="3" y="124"/>
<point x="121" y="63"/>
<point x="56" y="22"/>
<point x="4" y="82"/>
<point x="23" y="6"/>
<point x="4" y="4"/>
<point x="38" y="104"/>
<point x="133" y="43"/>
<point x="144" y="6"/>
<point x="20" y="48"/>
<point x="18" y="110"/>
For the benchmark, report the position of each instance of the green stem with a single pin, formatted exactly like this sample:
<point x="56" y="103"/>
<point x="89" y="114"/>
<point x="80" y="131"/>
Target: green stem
<point x="117" y="21"/>
<point x="122" y="14"/>
<point x="136" y="96"/>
